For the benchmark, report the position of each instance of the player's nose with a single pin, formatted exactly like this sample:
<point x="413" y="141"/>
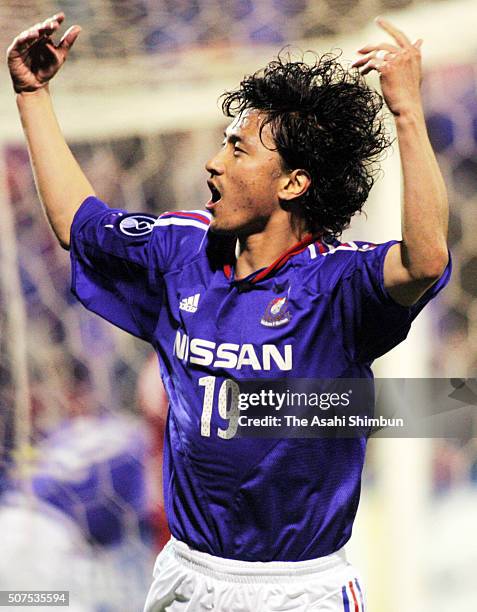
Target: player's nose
<point x="215" y="165"/>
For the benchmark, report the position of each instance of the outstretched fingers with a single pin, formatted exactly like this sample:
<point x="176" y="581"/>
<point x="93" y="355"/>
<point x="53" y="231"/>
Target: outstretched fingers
<point x="401" y="39"/>
<point x="68" y="38"/>
<point x="374" y="64"/>
<point x="34" y="57"/>
<point x="383" y="45"/>
<point x="48" y="27"/>
<point x="370" y="52"/>
<point x="43" y="29"/>
<point x="398" y="64"/>
<point x="384" y="55"/>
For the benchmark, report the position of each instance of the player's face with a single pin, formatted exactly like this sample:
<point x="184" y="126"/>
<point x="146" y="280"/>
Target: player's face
<point x="246" y="177"/>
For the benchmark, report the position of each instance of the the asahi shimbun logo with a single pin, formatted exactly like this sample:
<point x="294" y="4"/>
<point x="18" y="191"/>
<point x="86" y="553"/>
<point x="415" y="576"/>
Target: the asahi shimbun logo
<point x="276" y="313"/>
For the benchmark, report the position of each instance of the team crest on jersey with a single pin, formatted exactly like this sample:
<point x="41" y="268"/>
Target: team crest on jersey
<point x="276" y="313"/>
<point x="137" y="225"/>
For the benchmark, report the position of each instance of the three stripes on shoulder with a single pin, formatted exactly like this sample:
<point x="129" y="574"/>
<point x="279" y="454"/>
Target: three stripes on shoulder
<point x="191" y="218"/>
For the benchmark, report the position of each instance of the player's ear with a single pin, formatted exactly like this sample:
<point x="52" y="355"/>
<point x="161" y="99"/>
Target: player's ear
<point x="294" y="184"/>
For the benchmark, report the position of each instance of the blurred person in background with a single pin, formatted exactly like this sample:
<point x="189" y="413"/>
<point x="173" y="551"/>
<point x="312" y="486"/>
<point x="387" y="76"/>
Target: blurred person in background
<point x="42" y="549"/>
<point x="256" y="286"/>
<point x="153" y="402"/>
<point x="83" y="504"/>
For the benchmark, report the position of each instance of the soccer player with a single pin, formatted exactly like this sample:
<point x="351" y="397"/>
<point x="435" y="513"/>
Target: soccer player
<point x="256" y="286"/>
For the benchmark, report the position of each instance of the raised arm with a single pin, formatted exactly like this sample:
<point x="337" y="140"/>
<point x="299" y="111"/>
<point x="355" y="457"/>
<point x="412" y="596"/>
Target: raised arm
<point x="416" y="263"/>
<point x="33" y="60"/>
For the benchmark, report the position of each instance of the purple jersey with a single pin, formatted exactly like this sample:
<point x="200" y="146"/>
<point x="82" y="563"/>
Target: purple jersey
<point x="319" y="311"/>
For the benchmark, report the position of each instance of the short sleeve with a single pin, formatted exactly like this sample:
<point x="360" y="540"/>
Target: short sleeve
<point x="116" y="266"/>
<point x="373" y="323"/>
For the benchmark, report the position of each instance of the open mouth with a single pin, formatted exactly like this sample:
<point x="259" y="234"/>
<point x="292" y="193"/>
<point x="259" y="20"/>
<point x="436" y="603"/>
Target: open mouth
<point x="215" y="195"/>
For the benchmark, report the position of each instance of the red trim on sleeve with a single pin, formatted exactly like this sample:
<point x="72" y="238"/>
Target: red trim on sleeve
<point x="188" y="215"/>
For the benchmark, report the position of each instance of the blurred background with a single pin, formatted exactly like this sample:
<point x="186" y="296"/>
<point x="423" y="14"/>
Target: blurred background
<point x="81" y="406"/>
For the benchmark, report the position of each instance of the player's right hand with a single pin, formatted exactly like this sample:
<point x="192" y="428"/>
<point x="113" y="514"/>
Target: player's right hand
<point x="33" y="58"/>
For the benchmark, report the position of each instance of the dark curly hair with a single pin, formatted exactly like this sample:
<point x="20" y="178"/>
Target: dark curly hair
<point x="324" y="119"/>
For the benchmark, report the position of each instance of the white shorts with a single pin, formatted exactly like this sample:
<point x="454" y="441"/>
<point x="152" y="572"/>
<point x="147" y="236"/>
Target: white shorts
<point x="192" y="581"/>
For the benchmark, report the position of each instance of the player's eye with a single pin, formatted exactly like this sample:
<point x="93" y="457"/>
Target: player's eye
<point x="236" y="149"/>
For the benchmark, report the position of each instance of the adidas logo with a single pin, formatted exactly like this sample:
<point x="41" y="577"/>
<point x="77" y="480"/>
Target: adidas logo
<point x="190" y="304"/>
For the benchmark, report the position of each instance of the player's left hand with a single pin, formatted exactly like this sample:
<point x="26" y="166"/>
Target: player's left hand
<point x="399" y="68"/>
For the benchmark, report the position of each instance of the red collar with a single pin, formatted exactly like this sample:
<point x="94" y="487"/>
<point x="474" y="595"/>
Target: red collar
<point x="299" y="247"/>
